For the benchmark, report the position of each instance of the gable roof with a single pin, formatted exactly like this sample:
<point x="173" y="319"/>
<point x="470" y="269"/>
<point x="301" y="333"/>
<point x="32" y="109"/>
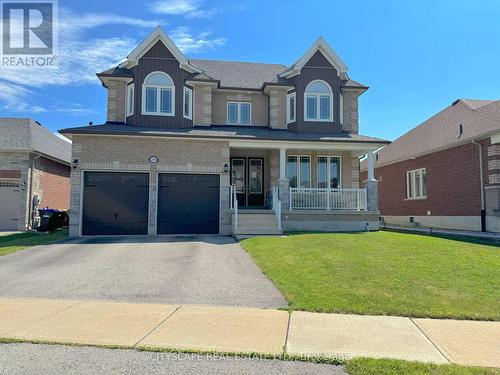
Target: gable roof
<point x="231" y="74"/>
<point x="240" y="74"/>
<point x="158" y="35"/>
<point x="319" y="45"/>
<point x="479" y="119"/>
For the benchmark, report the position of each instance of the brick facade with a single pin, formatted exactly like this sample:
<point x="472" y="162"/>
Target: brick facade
<point x="132" y="154"/>
<point x="54" y="187"/>
<point x="453" y="185"/>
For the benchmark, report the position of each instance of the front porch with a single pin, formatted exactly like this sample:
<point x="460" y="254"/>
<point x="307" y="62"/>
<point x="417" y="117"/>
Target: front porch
<point x="308" y="188"/>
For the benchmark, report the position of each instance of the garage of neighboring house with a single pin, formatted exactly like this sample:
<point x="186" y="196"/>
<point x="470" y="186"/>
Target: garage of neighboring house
<point x="188" y="203"/>
<point x="10" y="196"/>
<point x="115" y="203"/>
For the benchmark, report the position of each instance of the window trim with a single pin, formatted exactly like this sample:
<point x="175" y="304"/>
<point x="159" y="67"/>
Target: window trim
<point x="341" y="108"/>
<point x="188" y="90"/>
<point x="328" y="164"/>
<point x="298" y="170"/>
<point x="288" y="107"/>
<point x="238" y="113"/>
<point x="318" y="104"/>
<point x="130" y="105"/>
<point x="411" y="181"/>
<point x="158" y="96"/>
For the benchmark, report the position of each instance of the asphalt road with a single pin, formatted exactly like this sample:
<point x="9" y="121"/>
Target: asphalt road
<point x="181" y="270"/>
<point x="56" y="359"/>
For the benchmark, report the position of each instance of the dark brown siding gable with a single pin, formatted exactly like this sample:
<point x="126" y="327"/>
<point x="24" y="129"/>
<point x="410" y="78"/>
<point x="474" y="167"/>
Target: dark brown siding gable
<point x="159" y="58"/>
<point x="318" y="67"/>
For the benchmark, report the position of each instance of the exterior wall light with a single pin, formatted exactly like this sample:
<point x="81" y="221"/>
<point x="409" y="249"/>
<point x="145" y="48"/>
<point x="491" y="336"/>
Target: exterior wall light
<point x="74" y="163"/>
<point x="226" y="168"/>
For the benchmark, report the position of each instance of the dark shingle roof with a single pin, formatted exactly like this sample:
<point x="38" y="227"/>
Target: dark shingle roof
<point x="221" y="132"/>
<point x="116" y="72"/>
<point x="241" y="74"/>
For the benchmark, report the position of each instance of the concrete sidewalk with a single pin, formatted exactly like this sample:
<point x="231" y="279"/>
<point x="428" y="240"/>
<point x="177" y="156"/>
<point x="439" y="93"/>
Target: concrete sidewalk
<point x="249" y="330"/>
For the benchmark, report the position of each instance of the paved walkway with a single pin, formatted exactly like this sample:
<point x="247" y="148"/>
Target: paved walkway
<point x="250" y="330"/>
<point x="491" y="236"/>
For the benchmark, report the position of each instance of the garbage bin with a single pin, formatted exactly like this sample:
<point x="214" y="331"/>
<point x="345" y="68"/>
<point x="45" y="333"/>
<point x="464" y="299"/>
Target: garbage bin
<point x="51" y="219"/>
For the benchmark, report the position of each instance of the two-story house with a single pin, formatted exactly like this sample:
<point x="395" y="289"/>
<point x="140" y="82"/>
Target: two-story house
<point x="206" y="146"/>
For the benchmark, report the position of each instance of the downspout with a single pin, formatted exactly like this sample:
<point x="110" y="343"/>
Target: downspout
<point x="481" y="179"/>
<point x="30" y="212"/>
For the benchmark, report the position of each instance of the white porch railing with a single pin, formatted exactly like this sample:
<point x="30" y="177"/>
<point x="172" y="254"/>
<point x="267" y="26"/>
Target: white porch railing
<point x="277" y="206"/>
<point x="233" y="203"/>
<point x="328" y="199"/>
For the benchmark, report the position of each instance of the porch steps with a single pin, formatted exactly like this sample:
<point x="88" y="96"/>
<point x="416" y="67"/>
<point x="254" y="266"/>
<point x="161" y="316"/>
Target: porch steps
<point x="257" y="222"/>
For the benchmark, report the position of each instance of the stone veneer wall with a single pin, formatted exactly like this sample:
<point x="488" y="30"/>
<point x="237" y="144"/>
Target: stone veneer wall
<point x="132" y="154"/>
<point x="351" y="115"/>
<point x="116" y="100"/>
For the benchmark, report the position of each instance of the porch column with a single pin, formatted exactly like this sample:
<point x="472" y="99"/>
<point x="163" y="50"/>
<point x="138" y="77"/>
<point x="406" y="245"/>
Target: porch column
<point x="282" y="163"/>
<point x="283" y="185"/>
<point x="371" y="185"/>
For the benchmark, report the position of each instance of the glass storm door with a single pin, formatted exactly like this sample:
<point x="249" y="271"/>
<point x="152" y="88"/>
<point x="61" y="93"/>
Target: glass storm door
<point x="255" y="196"/>
<point x="238" y="179"/>
<point x="247" y="174"/>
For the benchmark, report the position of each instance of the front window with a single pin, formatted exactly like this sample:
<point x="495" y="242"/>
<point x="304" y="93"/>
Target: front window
<point x="290" y="108"/>
<point x="318" y="102"/>
<point x="239" y="113"/>
<point x="188" y="103"/>
<point x="299" y="171"/>
<point x="416" y="184"/>
<point x="158" y="95"/>
<point x="328" y="172"/>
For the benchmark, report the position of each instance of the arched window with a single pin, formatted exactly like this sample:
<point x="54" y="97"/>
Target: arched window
<point x="318" y="102"/>
<point x="158" y="95"/>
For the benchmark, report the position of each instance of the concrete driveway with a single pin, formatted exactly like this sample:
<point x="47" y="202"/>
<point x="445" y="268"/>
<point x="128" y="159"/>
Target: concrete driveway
<point x="182" y="270"/>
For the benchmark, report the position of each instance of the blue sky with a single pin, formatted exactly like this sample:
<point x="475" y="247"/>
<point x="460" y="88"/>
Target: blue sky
<point x="416" y="56"/>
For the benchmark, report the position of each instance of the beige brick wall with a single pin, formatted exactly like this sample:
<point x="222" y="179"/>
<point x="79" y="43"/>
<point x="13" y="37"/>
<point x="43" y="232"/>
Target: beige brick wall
<point x="202" y="113"/>
<point x="260" y="105"/>
<point x="351" y="115"/>
<point x="277" y="108"/>
<point x="132" y="154"/>
<point x="116" y="100"/>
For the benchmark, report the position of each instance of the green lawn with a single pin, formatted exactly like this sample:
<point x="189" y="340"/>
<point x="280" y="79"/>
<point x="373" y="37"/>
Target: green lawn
<point x="369" y="366"/>
<point x="19" y="241"/>
<point x="383" y="273"/>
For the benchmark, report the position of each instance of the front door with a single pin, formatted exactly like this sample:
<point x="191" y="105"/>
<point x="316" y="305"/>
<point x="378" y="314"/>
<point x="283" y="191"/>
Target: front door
<point x="247" y="174"/>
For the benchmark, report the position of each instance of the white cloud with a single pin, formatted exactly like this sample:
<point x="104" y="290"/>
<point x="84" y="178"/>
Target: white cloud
<point x="189" y="43"/>
<point x="79" y="59"/>
<point x="189" y="8"/>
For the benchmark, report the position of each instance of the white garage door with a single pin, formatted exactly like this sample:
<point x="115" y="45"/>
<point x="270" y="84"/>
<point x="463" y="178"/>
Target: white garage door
<point x="9" y="204"/>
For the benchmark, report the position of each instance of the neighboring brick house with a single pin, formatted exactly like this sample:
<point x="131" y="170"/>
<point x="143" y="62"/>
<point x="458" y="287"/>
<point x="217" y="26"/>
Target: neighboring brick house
<point x="34" y="172"/>
<point x="205" y="146"/>
<point x="431" y="176"/>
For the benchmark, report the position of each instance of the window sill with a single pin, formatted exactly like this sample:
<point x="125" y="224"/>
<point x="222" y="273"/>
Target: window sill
<point x="416" y="199"/>
<point x="318" y="120"/>
<point x="158" y="114"/>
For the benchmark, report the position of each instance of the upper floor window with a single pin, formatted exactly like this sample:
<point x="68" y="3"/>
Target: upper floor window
<point x="130" y="100"/>
<point x="290" y="107"/>
<point x="341" y="112"/>
<point x="158" y="95"/>
<point x="188" y="103"/>
<point x="416" y="184"/>
<point x="318" y="102"/>
<point x="239" y="113"/>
